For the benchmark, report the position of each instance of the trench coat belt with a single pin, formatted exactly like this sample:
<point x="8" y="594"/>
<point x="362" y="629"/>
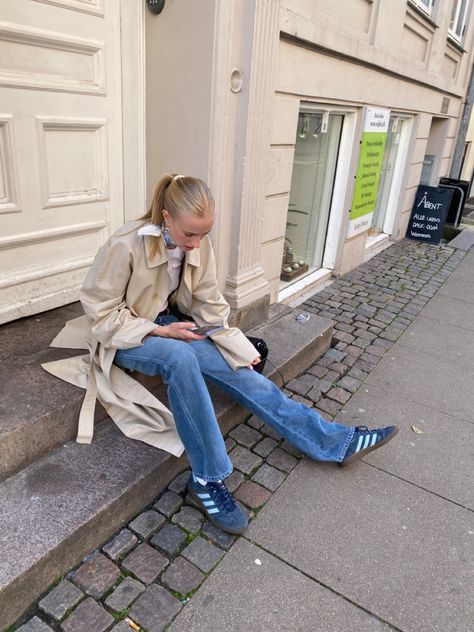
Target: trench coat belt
<point x="85" y="429"/>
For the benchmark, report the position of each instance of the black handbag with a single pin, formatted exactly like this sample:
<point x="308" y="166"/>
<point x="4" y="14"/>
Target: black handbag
<point x="261" y="346"/>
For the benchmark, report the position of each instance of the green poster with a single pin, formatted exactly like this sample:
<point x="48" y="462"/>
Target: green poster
<point x="371" y="155"/>
<point x="368" y="173"/>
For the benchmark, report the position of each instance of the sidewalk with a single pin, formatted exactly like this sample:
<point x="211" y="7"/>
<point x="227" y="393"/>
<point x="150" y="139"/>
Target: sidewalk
<point x="389" y="543"/>
<point x="386" y="544"/>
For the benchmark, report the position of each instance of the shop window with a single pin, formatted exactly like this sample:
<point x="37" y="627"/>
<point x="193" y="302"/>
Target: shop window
<point x="459" y="15"/>
<point x="396" y="146"/>
<point x="314" y="168"/>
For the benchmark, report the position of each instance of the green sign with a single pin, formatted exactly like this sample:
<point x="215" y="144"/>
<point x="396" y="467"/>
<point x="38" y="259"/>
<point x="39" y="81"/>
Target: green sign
<point x="368" y="173"/>
<point x="369" y="169"/>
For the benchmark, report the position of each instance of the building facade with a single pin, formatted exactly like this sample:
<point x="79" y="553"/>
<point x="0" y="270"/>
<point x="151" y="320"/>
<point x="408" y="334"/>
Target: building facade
<point x="314" y="122"/>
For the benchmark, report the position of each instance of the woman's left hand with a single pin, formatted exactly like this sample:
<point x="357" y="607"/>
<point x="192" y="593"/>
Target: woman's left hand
<point x="253" y="363"/>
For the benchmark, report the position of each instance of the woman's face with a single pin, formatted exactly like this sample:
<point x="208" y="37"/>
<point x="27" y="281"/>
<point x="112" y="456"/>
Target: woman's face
<point x="187" y="230"/>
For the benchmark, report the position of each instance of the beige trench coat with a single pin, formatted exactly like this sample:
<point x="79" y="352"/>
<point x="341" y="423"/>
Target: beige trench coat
<point x="124" y="291"/>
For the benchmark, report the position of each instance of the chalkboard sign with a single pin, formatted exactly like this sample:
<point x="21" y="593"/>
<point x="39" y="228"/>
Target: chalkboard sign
<point x="429" y="214"/>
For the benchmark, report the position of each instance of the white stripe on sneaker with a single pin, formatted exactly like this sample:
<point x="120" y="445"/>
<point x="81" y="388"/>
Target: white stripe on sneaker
<point x="203" y="495"/>
<point x="212" y="511"/>
<point x="208" y="503"/>
<point x="359" y="443"/>
<point x="366" y="442"/>
<point x="374" y="439"/>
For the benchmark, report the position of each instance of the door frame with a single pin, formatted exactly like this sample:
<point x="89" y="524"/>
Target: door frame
<point x="132" y="38"/>
<point x="399" y="172"/>
<point x="336" y="211"/>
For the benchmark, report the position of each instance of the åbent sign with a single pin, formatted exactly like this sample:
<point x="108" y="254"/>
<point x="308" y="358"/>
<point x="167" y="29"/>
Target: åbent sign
<point x="429" y="214"/>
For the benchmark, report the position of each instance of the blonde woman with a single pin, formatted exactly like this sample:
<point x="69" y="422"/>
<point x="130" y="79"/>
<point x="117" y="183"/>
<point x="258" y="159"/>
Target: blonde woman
<point x="151" y="284"/>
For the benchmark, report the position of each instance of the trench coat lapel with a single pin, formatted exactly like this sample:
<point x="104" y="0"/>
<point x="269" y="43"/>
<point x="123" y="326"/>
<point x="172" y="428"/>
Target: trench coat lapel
<point x="157" y="258"/>
<point x="154" y="259"/>
<point x="191" y="260"/>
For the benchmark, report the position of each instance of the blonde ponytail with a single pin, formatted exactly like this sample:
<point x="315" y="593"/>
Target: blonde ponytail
<point x="180" y="195"/>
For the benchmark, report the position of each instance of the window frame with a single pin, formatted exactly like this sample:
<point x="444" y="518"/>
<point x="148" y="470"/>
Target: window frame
<point x="426" y="7"/>
<point x="458" y="19"/>
<point x="335" y="231"/>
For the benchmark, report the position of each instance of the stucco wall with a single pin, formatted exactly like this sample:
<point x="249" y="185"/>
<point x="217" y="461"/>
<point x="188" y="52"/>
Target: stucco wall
<point x="179" y="66"/>
<point x="333" y="53"/>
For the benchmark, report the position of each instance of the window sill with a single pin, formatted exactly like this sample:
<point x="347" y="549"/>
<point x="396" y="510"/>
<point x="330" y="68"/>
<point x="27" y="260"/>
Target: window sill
<point x="455" y="43"/>
<point x="295" y="293"/>
<point x="375" y="245"/>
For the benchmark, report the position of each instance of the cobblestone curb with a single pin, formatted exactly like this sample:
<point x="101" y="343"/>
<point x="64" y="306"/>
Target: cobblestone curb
<point x="141" y="578"/>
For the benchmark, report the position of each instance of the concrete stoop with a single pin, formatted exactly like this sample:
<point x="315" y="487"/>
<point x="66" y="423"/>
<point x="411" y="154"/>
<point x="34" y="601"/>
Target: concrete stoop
<point x="59" y="500"/>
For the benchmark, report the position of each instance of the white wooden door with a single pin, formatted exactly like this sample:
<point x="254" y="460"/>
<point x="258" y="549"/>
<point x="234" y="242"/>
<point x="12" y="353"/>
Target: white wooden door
<point x="61" y="171"/>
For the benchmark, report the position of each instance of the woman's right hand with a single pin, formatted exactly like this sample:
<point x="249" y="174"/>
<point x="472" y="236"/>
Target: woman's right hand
<point x="178" y="331"/>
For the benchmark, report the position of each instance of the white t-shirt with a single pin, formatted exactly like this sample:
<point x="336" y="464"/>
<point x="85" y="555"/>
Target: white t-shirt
<point x="175" y="255"/>
<point x="175" y="259"/>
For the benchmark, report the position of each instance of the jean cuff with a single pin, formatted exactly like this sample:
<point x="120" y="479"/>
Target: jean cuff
<point x="213" y="479"/>
<point x="347" y="443"/>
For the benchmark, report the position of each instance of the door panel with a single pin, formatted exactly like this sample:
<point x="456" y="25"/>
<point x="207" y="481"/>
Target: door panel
<point x="61" y="172"/>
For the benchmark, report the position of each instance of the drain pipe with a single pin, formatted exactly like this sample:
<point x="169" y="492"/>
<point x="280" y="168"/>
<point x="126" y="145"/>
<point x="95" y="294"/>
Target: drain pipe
<point x="455" y="171"/>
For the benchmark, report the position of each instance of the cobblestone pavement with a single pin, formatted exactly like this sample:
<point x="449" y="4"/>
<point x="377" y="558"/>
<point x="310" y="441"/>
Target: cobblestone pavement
<point x="143" y="576"/>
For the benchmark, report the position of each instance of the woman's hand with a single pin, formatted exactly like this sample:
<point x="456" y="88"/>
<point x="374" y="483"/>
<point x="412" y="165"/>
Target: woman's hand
<point x="254" y="362"/>
<point x="178" y="331"/>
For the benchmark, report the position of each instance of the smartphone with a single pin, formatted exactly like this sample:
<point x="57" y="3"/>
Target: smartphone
<point x="205" y="331"/>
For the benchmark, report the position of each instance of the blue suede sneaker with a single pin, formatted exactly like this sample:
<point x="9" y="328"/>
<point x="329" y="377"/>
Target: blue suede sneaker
<point x="365" y="440"/>
<point x="219" y="505"/>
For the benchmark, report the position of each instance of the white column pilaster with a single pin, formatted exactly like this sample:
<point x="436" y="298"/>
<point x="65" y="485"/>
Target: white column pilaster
<point x="246" y="48"/>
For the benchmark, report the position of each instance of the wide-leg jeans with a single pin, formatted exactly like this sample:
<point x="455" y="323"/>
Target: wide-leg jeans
<point x="185" y="367"/>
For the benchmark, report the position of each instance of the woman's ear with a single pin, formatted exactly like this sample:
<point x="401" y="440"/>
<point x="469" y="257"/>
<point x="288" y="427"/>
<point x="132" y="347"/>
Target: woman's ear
<point x="166" y="215"/>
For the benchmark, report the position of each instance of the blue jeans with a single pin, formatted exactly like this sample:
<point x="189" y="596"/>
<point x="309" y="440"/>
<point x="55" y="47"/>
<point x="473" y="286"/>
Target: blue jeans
<point x="185" y="366"/>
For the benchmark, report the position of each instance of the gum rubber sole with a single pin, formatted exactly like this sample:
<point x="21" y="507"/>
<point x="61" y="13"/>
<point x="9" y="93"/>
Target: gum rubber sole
<point x="358" y="455"/>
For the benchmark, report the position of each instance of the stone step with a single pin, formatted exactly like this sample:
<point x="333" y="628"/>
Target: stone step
<point x="38" y="412"/>
<point x="71" y="499"/>
<point x="464" y="240"/>
<point x="64" y="505"/>
<point x="294" y="345"/>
